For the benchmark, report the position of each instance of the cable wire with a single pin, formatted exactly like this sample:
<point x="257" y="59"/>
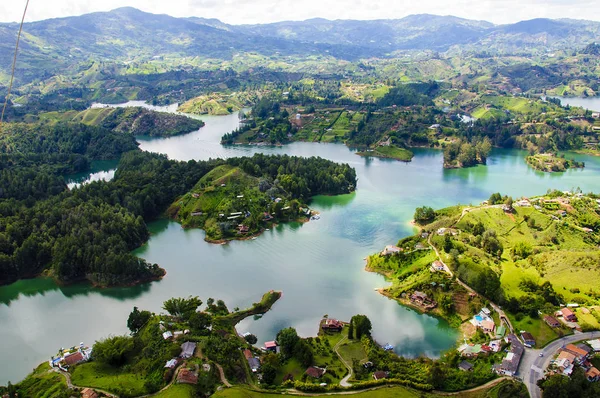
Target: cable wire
<point x="14" y="64"/>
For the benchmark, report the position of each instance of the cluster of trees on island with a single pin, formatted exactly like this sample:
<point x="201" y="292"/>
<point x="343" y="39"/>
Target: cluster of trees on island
<point x="88" y="233"/>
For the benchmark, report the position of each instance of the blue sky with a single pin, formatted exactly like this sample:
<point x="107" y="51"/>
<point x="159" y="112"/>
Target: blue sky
<point x="261" y="11"/>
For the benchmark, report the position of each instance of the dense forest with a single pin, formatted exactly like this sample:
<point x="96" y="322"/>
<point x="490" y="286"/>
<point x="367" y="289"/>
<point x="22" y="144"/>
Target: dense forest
<point x="88" y="233"/>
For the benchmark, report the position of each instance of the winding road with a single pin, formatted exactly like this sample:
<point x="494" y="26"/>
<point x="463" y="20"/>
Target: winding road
<point x="344" y="381"/>
<point x="532" y="365"/>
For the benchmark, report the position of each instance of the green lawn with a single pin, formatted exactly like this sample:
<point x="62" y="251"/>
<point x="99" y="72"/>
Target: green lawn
<point x="93" y="374"/>
<point x="538" y="328"/>
<point x="352" y="349"/>
<point x="177" y="391"/>
<point x="43" y="384"/>
<point x="385" y="392"/>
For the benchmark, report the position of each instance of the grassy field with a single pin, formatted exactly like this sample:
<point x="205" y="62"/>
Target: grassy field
<point x="390" y="152"/>
<point x="177" y="391"/>
<point x="43" y="383"/>
<point x="385" y="392"/>
<point x="94" y="374"/>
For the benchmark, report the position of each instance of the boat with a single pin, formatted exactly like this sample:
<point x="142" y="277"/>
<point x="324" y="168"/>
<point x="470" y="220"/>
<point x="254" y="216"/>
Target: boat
<point x="316" y="217"/>
<point x="388" y="347"/>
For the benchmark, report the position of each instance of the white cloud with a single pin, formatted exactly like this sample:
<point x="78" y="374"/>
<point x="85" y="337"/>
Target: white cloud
<point x="261" y="11"/>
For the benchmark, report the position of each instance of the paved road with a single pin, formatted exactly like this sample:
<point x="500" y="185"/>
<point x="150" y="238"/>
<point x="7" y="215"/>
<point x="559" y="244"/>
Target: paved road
<point x="532" y="365"/>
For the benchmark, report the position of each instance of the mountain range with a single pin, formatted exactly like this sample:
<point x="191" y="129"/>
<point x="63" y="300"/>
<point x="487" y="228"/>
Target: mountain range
<point x="127" y="34"/>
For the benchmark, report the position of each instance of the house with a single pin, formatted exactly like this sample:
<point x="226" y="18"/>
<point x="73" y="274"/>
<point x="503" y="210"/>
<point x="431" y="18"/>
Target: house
<point x="390" y="249"/>
<point x="551" y="321"/>
<point x="187" y="376"/>
<point x="167" y="335"/>
<point x="500" y="331"/>
<point x="74" y="358"/>
<point x="568" y="315"/>
<point x="243" y="228"/>
<point x="315" y="372"/>
<point x="332" y="325"/>
<point x="271" y="346"/>
<point x="585" y="347"/>
<point x="595" y="344"/>
<point x="510" y="364"/>
<point x="380" y="374"/>
<point x="422" y="299"/>
<point x="465" y="366"/>
<point x="247" y="353"/>
<point x="254" y="364"/>
<point x="187" y="349"/>
<point x="438" y="266"/>
<point x="592" y="374"/>
<point x="580" y="354"/>
<point x="470" y="350"/>
<point x="172" y="363"/>
<point x="88" y="393"/>
<point x="528" y="339"/>
<point x="564" y="362"/>
<point x="488" y="326"/>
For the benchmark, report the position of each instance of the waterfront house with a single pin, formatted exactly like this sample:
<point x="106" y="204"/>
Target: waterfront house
<point x="74" y="358"/>
<point x="568" y="315"/>
<point x="271" y="346"/>
<point x="422" y="300"/>
<point x="187" y="349"/>
<point x="551" y="321"/>
<point x="390" y="249"/>
<point x="315" y="372"/>
<point x="465" y="366"/>
<point x="470" y="350"/>
<point x="332" y="325"/>
<point x="380" y="374"/>
<point x="243" y="228"/>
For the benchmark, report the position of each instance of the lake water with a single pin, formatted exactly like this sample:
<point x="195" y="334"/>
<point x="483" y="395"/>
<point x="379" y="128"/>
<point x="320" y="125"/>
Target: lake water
<point x="319" y="265"/>
<point x="100" y="170"/>
<point x="591" y="103"/>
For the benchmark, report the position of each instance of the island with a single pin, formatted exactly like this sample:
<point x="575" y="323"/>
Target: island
<point x="218" y="103"/>
<point x="551" y="163"/>
<point x="238" y="200"/>
<point x="388" y="151"/>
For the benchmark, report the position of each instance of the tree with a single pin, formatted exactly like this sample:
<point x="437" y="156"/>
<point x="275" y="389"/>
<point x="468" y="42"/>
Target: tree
<point x="137" y="319"/>
<point x="268" y="373"/>
<point x="362" y="325"/>
<point x="437" y="376"/>
<point x="351" y="331"/>
<point x="491" y="244"/>
<point x="251" y="339"/>
<point x="303" y="353"/>
<point x="287" y="339"/>
<point x="424" y="214"/>
<point x="447" y="243"/>
<point x="182" y="308"/>
<point x="200" y="321"/>
<point x="113" y="351"/>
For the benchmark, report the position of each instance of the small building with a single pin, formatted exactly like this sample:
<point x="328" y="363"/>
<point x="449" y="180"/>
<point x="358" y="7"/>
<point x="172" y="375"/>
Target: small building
<point x="243" y="228"/>
<point x="579" y="354"/>
<point x="500" y="331"/>
<point x="254" y="364"/>
<point x="271" y="346"/>
<point x="551" y="321"/>
<point x="437" y="265"/>
<point x="528" y="339"/>
<point x="564" y="362"/>
<point x="465" y="366"/>
<point x="568" y="315"/>
<point x="88" y="393"/>
<point x="167" y="335"/>
<point x="422" y="300"/>
<point x="171" y="363"/>
<point x="595" y="344"/>
<point x="186" y="376"/>
<point x="390" y="249"/>
<point x="488" y="326"/>
<point x="332" y="325"/>
<point x="187" y="349"/>
<point x="380" y="374"/>
<point x="74" y="358"/>
<point x="315" y="372"/>
<point x="247" y="353"/>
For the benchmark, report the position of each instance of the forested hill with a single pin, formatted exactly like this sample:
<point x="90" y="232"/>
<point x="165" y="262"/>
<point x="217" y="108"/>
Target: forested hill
<point x="54" y="46"/>
<point x="88" y="233"/>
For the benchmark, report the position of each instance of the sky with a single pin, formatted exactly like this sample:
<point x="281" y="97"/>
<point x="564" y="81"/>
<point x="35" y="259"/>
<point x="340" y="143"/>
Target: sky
<point x="264" y="11"/>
